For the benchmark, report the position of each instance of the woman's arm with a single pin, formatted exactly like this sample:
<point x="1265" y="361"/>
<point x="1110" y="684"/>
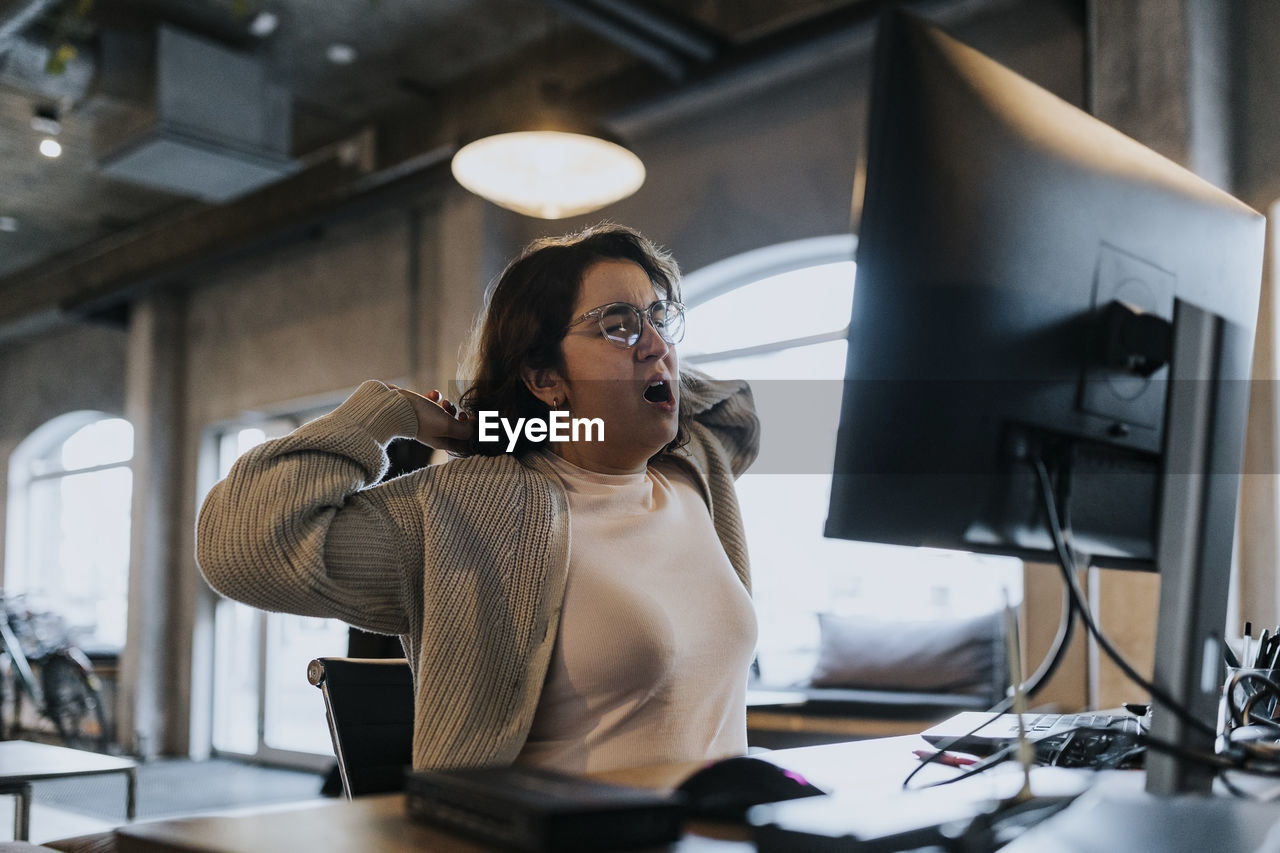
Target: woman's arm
<point x="726" y="408"/>
<point x="290" y="530"/>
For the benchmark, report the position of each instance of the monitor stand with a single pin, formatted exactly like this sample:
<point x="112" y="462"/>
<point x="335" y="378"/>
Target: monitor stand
<point x="1203" y="455"/>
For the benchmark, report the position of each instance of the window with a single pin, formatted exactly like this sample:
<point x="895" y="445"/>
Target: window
<point x="778" y="317"/>
<point x="263" y="705"/>
<point x="67" y="549"/>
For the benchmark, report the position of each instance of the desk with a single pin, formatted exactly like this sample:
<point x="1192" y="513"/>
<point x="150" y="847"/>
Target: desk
<point x="23" y="762"/>
<point x="868" y="774"/>
<point x="862" y="770"/>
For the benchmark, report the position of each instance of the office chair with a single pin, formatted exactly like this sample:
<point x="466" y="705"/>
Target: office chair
<point x="368" y="703"/>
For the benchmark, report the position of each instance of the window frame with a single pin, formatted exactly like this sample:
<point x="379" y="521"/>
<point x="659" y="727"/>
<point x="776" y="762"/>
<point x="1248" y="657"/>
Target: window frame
<point x="18" y="574"/>
<point x="219" y="452"/>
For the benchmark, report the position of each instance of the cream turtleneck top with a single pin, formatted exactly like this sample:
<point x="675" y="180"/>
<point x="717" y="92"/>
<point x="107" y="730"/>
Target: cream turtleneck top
<point x="656" y="633"/>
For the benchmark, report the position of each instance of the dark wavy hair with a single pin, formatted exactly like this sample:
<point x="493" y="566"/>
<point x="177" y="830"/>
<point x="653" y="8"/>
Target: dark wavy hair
<point x="527" y="312"/>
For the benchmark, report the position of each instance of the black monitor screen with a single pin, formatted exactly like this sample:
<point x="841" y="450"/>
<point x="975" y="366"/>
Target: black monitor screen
<point x="999" y="226"/>
<point x="1048" y="314"/>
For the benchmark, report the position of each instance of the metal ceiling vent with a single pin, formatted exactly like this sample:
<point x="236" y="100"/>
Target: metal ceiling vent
<point x="220" y="129"/>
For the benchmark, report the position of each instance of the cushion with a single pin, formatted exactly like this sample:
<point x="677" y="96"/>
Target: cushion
<point x="964" y="656"/>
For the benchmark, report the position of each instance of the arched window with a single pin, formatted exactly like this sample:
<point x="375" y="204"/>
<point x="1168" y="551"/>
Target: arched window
<point x="67" y="534"/>
<point x="778" y="317"/>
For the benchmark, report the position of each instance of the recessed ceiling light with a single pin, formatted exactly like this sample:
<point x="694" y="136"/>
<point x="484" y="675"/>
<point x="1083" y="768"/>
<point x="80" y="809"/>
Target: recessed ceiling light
<point x="340" y="54"/>
<point x="8" y="224"/>
<point x="50" y="148"/>
<point x="264" y="24"/>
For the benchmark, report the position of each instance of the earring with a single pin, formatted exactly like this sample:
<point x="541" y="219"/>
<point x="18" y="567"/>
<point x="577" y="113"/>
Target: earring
<point x="555" y="402"/>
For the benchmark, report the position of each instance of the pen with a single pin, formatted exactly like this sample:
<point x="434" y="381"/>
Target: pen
<point x="948" y="758"/>
<point x="1246" y="643"/>
<point x="1262" y="648"/>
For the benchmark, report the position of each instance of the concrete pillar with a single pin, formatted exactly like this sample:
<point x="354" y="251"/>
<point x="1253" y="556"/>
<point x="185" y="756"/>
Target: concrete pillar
<point x="1138" y="57"/>
<point x="153" y="708"/>
<point x="1161" y="72"/>
<point x="1256" y="98"/>
<point x="465" y="246"/>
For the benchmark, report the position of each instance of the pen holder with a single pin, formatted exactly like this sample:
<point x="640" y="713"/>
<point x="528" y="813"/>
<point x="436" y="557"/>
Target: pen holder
<point x="1250" y="697"/>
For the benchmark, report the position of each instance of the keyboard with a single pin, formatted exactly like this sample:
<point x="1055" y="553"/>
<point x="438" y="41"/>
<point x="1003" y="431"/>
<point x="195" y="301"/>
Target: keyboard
<point x="1095" y="749"/>
<point x="983" y="733"/>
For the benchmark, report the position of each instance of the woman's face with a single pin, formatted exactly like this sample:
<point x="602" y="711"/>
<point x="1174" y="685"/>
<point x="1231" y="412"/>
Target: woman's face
<point x="634" y="391"/>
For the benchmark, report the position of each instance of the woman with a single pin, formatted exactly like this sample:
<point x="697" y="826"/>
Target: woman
<point x="580" y="605"/>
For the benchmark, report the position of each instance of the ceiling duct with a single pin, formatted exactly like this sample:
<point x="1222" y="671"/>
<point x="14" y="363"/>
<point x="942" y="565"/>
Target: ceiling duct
<point x="24" y="64"/>
<point x="218" y="127"/>
<point x="13" y="21"/>
<point x="24" y="61"/>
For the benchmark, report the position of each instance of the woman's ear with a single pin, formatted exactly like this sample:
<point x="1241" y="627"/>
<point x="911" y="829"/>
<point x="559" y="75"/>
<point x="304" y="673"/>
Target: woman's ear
<point x="545" y="384"/>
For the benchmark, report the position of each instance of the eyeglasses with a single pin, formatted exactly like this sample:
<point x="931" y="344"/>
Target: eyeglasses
<point x="622" y="323"/>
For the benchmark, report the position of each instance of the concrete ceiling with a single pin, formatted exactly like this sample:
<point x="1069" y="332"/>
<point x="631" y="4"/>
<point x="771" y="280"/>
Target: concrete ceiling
<point x="423" y="74"/>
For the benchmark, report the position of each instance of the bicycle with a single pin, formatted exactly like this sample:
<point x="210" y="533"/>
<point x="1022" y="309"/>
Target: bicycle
<point x="54" y="675"/>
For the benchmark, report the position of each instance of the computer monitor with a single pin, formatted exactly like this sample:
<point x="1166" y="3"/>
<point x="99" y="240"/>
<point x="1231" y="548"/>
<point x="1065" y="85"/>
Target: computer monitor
<point x="1033" y="285"/>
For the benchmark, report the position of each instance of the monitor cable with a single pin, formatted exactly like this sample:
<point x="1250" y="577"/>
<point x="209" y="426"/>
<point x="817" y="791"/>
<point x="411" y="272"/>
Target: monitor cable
<point x="1066" y="620"/>
<point x="1073" y="606"/>
<point x="1067" y="565"/>
<point x="1057" y="651"/>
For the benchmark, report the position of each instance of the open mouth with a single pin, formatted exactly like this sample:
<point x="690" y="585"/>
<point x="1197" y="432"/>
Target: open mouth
<point x="659" y="392"/>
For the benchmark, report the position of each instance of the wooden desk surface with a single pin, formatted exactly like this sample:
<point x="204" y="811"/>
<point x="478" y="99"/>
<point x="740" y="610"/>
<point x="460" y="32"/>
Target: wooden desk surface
<point x="374" y="824"/>
<point x="863" y="771"/>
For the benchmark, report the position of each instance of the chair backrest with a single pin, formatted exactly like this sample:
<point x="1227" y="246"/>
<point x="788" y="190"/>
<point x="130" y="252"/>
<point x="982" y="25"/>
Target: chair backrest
<point x="369" y="706"/>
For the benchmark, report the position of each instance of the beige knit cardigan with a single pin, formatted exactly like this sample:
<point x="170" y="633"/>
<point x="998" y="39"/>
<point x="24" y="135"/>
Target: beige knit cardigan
<point x="466" y="561"/>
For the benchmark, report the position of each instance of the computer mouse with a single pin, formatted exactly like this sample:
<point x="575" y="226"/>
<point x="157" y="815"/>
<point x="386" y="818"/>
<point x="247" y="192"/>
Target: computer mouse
<point x="725" y="789"/>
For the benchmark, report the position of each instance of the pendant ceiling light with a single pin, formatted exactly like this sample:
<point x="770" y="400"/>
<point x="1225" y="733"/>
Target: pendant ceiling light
<point x="548" y="174"/>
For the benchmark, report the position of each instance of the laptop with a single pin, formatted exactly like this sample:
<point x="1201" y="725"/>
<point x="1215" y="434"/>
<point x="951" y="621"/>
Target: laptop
<point x="983" y="733"/>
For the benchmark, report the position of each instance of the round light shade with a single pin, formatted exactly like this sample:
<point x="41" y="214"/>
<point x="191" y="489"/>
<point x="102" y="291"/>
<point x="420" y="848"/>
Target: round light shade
<point x="548" y="174"/>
